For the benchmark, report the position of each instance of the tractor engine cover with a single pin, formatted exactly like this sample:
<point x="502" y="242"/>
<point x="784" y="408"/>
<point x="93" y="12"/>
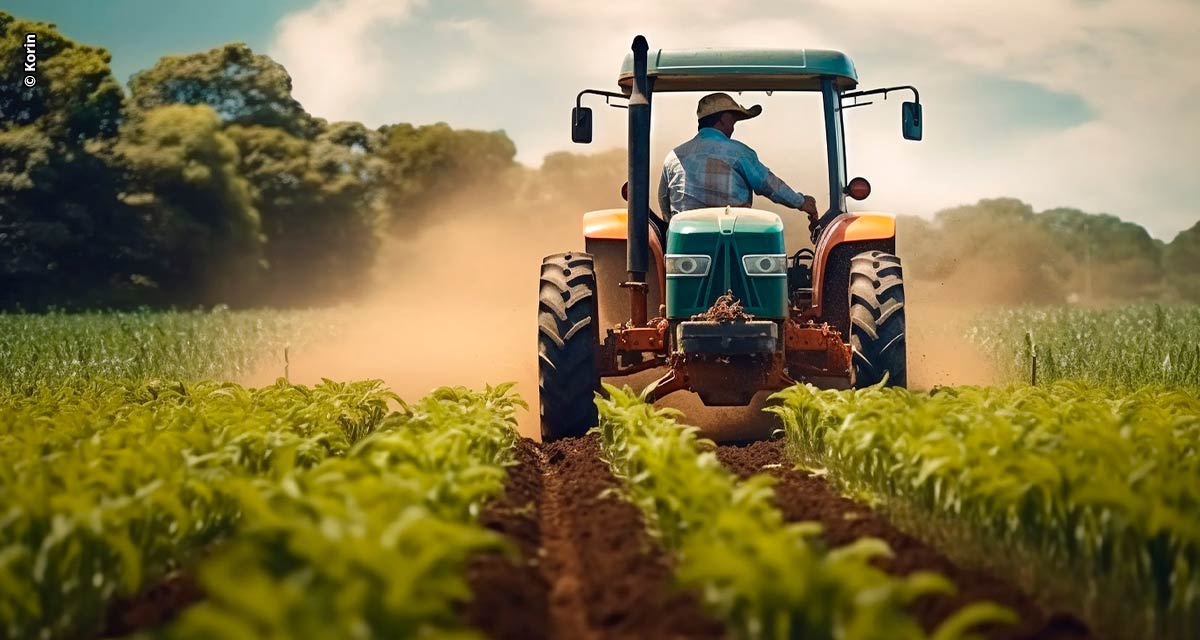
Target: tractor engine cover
<point x="721" y="250"/>
<point x="728" y="338"/>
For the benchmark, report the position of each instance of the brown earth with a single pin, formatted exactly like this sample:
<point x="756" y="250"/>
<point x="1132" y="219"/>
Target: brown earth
<point x="153" y="607"/>
<point x="602" y="574"/>
<point x="803" y="497"/>
<point x="583" y="565"/>
<point x="510" y="594"/>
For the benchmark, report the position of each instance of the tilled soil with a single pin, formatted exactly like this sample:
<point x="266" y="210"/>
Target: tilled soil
<point x="584" y="566"/>
<point x="804" y="497"/>
<point x="153" y="607"/>
<point x="601" y="573"/>
<point x="510" y="594"/>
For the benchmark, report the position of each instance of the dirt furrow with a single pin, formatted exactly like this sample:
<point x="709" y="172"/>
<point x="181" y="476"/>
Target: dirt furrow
<point x="599" y="574"/>
<point x="509" y="594"/>
<point x="152" y="608"/>
<point x="804" y="497"/>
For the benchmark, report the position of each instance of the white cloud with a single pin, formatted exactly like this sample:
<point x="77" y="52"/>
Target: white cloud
<point x="333" y="53"/>
<point x="517" y="64"/>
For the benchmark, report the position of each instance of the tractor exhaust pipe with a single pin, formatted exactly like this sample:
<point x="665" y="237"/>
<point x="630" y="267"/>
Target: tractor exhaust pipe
<point x="638" y="232"/>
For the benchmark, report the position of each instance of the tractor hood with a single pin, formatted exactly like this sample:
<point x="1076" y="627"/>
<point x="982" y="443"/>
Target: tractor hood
<point x="726" y="235"/>
<point x="725" y="220"/>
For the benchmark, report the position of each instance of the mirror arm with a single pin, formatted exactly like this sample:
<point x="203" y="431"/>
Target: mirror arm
<point x="608" y="95"/>
<point x="856" y="104"/>
<point x="884" y="91"/>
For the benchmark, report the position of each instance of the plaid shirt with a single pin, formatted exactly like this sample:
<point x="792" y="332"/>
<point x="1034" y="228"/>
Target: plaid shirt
<point x="711" y="170"/>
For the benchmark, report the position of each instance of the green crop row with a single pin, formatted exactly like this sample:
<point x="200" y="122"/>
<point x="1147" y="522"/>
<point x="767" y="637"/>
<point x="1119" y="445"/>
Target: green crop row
<point x="373" y="544"/>
<point x="106" y="488"/>
<point x="766" y="578"/>
<point x="1124" y="347"/>
<point x="57" y="348"/>
<point x="1081" y="495"/>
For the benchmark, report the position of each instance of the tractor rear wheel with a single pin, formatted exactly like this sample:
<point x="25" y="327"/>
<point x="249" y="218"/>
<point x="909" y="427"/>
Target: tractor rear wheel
<point x="877" y="319"/>
<point x="568" y="338"/>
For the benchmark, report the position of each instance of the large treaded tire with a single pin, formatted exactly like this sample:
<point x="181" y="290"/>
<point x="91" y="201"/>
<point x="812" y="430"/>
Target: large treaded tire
<point x="877" y="333"/>
<point x="568" y="337"/>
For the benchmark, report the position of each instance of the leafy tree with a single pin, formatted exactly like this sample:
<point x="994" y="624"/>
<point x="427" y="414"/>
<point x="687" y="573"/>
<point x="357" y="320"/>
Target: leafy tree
<point x="433" y="165"/>
<point x="317" y="202"/>
<point x="1108" y="257"/>
<point x="243" y="88"/>
<point x="182" y="175"/>
<point x="582" y="181"/>
<point x="1001" y="251"/>
<point x="64" y="237"/>
<point x="989" y="251"/>
<point x="1182" y="261"/>
<point x="313" y="185"/>
<point x="76" y="96"/>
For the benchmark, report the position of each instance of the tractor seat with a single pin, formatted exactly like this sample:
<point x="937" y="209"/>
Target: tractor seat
<point x="660" y="227"/>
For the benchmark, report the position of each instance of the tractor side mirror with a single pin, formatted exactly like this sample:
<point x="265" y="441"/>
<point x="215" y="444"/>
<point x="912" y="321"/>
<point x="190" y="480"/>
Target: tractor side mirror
<point x="581" y="125"/>
<point x="911" y="120"/>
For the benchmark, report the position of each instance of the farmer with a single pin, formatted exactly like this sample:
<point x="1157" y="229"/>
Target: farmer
<point x="713" y="170"/>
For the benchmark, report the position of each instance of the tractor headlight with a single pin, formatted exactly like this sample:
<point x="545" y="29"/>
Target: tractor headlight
<point x="765" y="265"/>
<point x="680" y="265"/>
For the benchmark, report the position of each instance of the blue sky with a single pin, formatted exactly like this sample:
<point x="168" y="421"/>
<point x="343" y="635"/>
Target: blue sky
<point x="1077" y="103"/>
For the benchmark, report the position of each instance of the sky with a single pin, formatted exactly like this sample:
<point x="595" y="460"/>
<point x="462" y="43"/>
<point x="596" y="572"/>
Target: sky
<point x="1080" y="103"/>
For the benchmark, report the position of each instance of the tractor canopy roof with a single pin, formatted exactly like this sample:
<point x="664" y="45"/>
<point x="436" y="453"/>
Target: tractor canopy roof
<point x="742" y="70"/>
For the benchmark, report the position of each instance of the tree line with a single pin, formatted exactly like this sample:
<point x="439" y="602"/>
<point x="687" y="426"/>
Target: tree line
<point x="1000" y="250"/>
<point x="205" y="182"/>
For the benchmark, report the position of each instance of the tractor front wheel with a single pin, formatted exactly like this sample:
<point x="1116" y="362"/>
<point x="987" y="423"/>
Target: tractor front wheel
<point x="877" y="319"/>
<point x="568" y="338"/>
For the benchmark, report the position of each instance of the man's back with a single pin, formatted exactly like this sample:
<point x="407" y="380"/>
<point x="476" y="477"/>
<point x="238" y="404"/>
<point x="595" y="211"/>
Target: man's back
<point x="704" y="172"/>
<point x="714" y="170"/>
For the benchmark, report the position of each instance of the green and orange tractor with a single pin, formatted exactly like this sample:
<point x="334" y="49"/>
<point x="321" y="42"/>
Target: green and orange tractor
<point x="735" y="313"/>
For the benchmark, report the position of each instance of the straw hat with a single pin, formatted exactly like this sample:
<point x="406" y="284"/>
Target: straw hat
<point x="718" y="102"/>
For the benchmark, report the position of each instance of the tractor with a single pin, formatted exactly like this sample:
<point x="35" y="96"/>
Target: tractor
<point x="736" y="314"/>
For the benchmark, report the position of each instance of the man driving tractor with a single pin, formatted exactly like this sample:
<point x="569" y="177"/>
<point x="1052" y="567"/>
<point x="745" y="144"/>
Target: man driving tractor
<point x="713" y="170"/>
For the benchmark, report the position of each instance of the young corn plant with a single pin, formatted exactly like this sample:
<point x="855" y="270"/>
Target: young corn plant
<point x="767" y="579"/>
<point x="138" y="347"/>
<point x="1070" y="479"/>
<point x="1123" y="348"/>
<point x="105" y="487"/>
<point x="372" y="544"/>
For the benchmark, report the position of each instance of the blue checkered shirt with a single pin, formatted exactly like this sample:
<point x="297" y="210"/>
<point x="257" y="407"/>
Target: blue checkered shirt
<point x="711" y="170"/>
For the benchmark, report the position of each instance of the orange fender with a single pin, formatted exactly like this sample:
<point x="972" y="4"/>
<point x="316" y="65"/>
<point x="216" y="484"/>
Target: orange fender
<point x="612" y="224"/>
<point x="851" y="227"/>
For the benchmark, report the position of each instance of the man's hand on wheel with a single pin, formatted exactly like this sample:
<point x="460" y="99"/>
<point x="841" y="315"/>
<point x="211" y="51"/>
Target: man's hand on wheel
<point x="810" y="207"/>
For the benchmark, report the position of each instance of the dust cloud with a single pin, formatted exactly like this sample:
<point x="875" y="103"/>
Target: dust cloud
<point x="456" y="303"/>
<point x="938" y="352"/>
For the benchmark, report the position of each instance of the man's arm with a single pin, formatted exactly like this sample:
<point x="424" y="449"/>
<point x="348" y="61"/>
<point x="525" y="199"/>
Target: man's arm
<point x="765" y="183"/>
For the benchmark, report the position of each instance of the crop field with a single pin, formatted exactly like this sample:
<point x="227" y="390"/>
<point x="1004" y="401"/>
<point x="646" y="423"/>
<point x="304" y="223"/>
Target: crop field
<point x="146" y="493"/>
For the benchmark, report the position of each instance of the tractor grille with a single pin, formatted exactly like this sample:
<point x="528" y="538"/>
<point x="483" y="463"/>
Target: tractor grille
<point x="727" y="275"/>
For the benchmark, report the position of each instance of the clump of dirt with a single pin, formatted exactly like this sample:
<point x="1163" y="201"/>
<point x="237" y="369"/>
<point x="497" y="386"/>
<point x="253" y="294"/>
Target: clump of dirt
<point x="727" y="308"/>
<point x="803" y="497"/>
